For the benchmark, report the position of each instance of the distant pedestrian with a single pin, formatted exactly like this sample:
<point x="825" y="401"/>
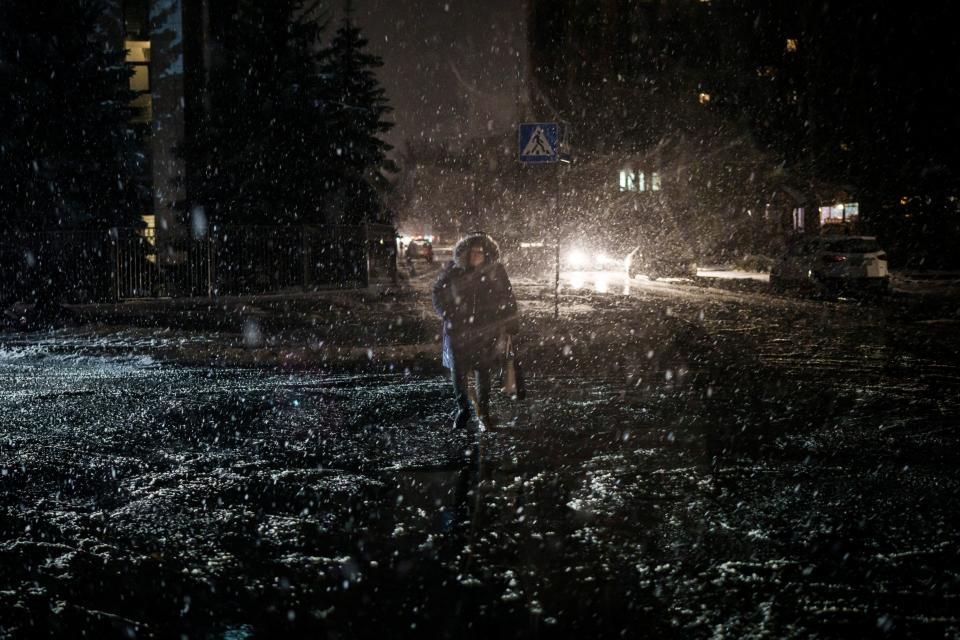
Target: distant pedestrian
<point x="475" y="300"/>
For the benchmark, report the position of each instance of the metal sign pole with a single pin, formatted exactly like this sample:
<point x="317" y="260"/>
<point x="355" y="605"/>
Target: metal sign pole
<point x="539" y="142"/>
<point x="556" y="222"/>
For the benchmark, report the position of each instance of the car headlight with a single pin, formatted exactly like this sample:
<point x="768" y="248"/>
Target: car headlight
<point x="577" y="258"/>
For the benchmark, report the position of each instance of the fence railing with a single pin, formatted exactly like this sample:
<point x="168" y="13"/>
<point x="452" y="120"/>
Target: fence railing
<point x="123" y="264"/>
<point x="150" y="267"/>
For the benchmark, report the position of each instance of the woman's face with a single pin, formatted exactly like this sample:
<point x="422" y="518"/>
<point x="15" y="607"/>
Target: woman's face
<point x="477" y="256"/>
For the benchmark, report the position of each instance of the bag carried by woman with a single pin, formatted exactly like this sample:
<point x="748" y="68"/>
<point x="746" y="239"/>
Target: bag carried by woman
<point x="512" y="374"/>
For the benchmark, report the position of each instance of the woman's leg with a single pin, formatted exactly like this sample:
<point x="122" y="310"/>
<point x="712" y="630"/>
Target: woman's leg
<point x="459" y="377"/>
<point x="483" y="389"/>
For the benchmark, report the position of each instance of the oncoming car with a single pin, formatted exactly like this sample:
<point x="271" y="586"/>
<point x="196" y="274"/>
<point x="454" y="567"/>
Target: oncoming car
<point x="654" y="259"/>
<point x="846" y="263"/>
<point x="580" y="259"/>
<point x="420" y="248"/>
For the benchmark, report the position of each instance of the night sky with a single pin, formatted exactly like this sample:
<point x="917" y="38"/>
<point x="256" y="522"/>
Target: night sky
<point x="450" y="66"/>
<point x="454" y="68"/>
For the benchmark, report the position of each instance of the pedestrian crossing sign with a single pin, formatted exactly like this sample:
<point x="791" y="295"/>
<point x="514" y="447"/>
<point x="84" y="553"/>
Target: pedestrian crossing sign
<point x="539" y="142"/>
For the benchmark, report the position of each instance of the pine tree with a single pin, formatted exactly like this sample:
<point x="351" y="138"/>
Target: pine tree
<point x="259" y="153"/>
<point x="68" y="154"/>
<point x="357" y="118"/>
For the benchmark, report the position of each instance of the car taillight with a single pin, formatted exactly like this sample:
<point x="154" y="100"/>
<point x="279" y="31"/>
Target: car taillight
<point x="882" y="256"/>
<point x="834" y="258"/>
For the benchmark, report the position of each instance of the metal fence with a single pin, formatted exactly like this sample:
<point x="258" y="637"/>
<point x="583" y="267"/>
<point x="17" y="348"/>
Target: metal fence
<point x="123" y="264"/>
<point x="150" y="267"/>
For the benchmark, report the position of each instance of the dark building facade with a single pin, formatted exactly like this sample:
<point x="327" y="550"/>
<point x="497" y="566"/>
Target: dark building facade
<point x="168" y="44"/>
<point x="845" y="100"/>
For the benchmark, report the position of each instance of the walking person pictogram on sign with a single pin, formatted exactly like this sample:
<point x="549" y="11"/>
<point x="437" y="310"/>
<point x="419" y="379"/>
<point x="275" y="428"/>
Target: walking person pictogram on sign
<point x="539" y="149"/>
<point x="538" y="142"/>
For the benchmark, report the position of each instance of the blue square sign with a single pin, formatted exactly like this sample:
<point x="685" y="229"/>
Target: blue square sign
<point x="539" y="142"/>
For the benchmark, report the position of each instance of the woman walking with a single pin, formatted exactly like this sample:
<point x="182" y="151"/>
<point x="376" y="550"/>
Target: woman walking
<point x="475" y="301"/>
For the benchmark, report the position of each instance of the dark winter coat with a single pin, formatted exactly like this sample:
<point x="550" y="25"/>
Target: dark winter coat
<point x="475" y="304"/>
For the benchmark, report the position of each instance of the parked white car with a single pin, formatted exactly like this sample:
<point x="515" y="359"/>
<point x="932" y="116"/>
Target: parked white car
<point x="849" y="263"/>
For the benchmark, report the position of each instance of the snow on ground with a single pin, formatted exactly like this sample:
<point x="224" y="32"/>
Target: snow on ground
<point x="691" y="461"/>
<point x="733" y="274"/>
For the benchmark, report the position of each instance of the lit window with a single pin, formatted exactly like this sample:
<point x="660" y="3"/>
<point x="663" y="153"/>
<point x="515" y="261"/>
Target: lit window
<point x="851" y="211"/>
<point x="831" y="214"/>
<point x="704" y="98"/>
<point x="840" y="213"/>
<point x="138" y="51"/>
<point x="791" y="45"/>
<point x="140" y="80"/>
<point x="798" y="219"/>
<point x="138" y="57"/>
<point x="149" y="232"/>
<point x="631" y="180"/>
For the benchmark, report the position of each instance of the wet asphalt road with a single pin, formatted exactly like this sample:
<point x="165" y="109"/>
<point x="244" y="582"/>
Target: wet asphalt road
<point x="796" y="478"/>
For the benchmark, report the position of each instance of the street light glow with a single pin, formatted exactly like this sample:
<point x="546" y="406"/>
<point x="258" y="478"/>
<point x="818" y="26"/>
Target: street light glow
<point x="577" y="258"/>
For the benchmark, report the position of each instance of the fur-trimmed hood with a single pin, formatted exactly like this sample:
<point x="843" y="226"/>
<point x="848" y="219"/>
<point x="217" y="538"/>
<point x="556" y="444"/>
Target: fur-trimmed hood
<point x="490" y="249"/>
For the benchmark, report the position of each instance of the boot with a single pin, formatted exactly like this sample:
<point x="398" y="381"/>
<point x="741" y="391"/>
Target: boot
<point x="462" y="419"/>
<point x="487" y="420"/>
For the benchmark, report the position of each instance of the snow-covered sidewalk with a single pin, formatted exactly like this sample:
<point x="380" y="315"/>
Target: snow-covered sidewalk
<point x="394" y="331"/>
<point x="936" y="283"/>
<point x="732" y="274"/>
<point x="933" y="283"/>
